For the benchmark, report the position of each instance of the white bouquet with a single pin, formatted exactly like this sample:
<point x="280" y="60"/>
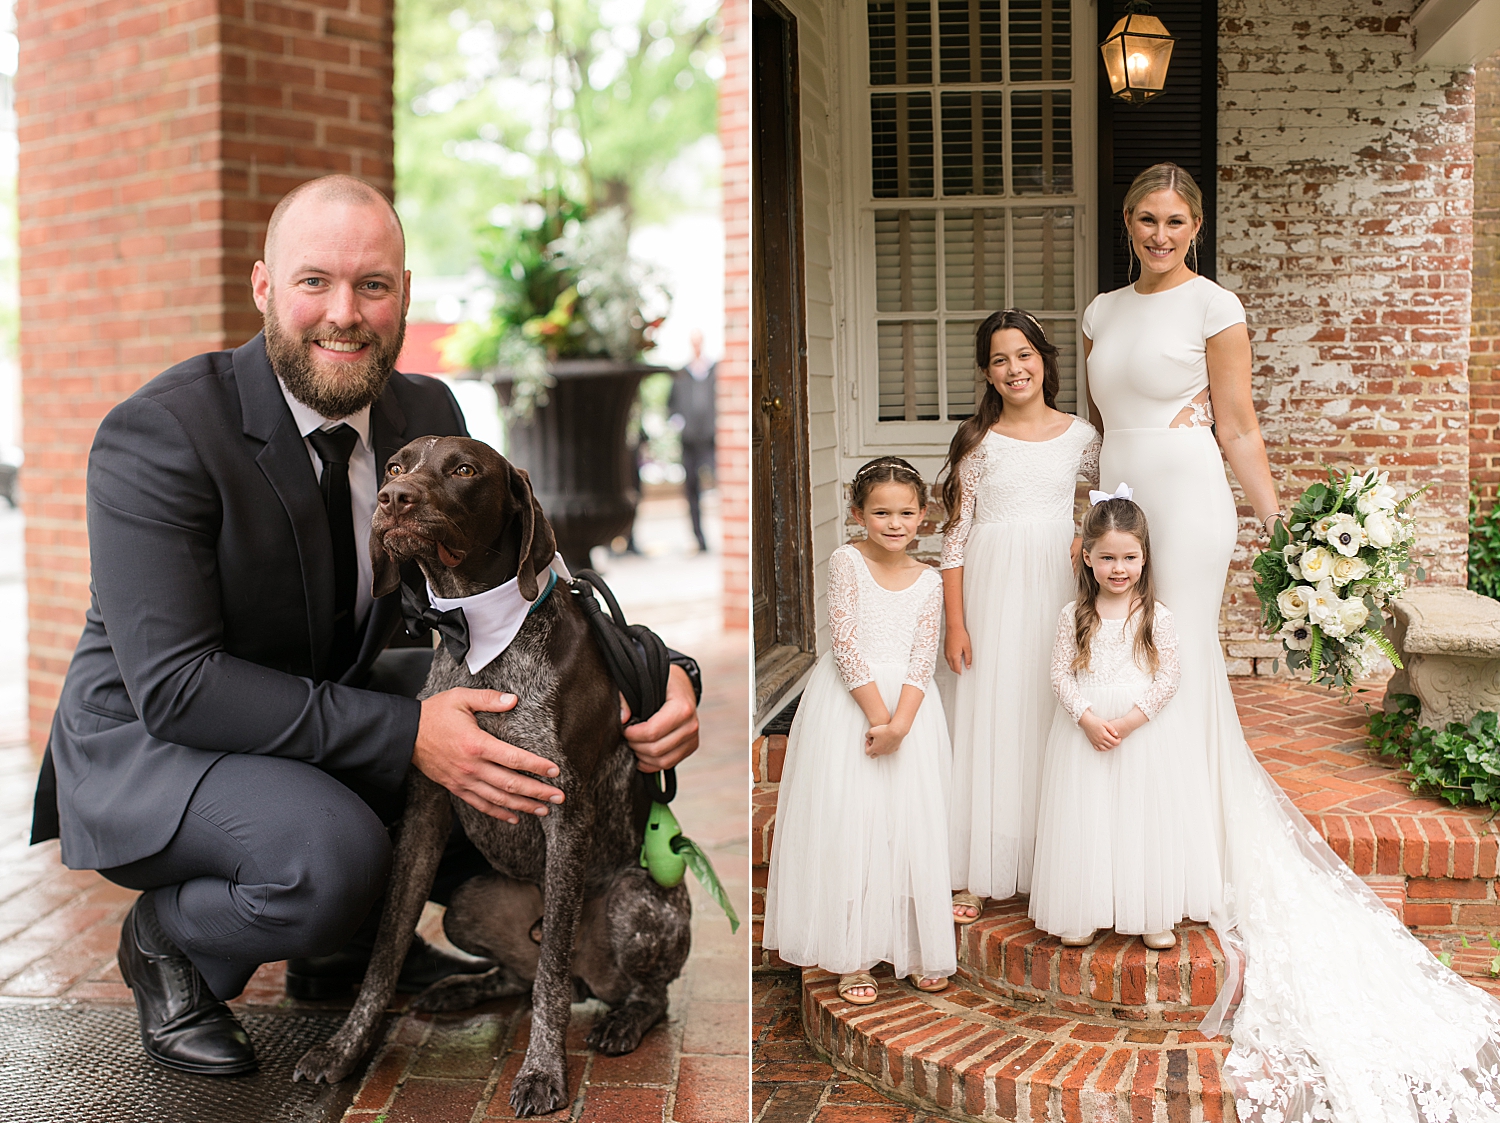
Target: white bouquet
<point x="1328" y="573"/>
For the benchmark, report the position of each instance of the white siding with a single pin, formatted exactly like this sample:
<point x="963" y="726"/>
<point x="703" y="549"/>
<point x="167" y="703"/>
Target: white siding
<point x="817" y="24"/>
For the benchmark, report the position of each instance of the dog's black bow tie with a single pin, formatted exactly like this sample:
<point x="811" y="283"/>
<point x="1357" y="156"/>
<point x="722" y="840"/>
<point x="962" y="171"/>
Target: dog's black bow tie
<point x="422" y="618"/>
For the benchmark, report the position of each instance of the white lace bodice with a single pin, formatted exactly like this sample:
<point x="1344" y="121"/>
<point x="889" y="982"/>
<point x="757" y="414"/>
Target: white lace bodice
<point x="1005" y="480"/>
<point x="1112" y="662"/>
<point x="872" y="624"/>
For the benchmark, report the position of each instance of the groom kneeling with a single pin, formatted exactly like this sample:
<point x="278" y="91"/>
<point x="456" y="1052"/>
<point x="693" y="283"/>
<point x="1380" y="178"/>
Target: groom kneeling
<point x="233" y="734"/>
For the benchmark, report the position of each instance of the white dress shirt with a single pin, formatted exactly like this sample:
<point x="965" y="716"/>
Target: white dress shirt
<point x="363" y="487"/>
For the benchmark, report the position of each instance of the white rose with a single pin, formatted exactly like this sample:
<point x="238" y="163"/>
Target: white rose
<point x="1296" y="634"/>
<point x="1316" y="565"/>
<point x="1381" y="497"/>
<point x="1320" y="528"/>
<point x="1380" y="529"/>
<point x="1352" y="615"/>
<point x="1346" y="535"/>
<point x="1323" y="604"/>
<point x="1292" y="603"/>
<point x="1348" y="569"/>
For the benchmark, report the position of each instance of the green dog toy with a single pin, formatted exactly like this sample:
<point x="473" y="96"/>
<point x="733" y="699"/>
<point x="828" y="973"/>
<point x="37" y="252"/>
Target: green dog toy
<point x="667" y="854"/>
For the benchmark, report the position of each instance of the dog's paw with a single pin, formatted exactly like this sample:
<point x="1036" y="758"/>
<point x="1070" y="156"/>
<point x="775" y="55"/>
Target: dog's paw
<point x="537" y="1093"/>
<point x="324" y="1064"/>
<point x="462" y="992"/>
<point x="621" y="1030"/>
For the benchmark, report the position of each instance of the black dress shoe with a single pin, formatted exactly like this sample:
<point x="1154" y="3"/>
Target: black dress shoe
<point x="183" y="1026"/>
<point x="334" y="976"/>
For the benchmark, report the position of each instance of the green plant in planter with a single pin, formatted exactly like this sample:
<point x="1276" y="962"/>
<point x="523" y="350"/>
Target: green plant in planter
<point x="565" y="286"/>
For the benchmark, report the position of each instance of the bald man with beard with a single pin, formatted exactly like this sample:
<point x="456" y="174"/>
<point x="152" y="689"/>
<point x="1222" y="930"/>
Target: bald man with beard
<point x="233" y="732"/>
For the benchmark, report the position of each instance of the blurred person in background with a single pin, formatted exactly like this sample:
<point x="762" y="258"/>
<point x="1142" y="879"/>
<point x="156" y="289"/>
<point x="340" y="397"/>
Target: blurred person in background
<point x="691" y="409"/>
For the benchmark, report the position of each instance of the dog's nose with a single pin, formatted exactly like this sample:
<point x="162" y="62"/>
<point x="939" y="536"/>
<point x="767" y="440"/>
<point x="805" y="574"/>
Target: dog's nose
<point x="398" y="495"/>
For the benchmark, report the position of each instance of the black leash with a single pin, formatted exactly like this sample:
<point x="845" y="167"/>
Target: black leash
<point x="637" y="661"/>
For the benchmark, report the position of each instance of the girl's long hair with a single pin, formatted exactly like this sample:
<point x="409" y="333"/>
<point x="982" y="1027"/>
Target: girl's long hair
<point x="1126" y="517"/>
<point x="972" y="430"/>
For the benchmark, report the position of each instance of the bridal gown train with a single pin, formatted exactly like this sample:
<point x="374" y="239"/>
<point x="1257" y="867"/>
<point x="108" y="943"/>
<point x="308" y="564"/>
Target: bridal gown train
<point x="1343" y="1014"/>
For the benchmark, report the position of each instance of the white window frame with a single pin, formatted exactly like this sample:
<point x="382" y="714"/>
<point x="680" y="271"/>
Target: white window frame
<point x="864" y="435"/>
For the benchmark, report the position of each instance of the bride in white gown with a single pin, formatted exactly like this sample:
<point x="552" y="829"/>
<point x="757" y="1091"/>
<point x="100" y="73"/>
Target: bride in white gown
<point x="1341" y="1013"/>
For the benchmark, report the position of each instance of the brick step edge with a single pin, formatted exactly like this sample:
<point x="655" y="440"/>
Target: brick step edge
<point x="962" y="1052"/>
<point x="1114" y="977"/>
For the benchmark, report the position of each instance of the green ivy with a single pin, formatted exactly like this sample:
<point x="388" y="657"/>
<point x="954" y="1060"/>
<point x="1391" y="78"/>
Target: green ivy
<point x="1460" y="763"/>
<point x="1484" y="548"/>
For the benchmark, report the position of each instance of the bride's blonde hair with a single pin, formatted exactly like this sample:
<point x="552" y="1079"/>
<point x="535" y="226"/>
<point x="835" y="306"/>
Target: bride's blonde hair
<point x="1126" y="517"/>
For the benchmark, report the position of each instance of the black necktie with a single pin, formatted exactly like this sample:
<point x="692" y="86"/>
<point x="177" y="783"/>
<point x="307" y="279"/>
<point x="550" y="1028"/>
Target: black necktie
<point x="333" y="447"/>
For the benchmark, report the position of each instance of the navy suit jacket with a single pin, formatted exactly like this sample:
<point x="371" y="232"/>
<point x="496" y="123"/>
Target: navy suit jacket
<point x="211" y="614"/>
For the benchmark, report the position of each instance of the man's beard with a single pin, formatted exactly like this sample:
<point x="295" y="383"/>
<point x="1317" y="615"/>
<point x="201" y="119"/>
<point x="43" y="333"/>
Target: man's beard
<point x="356" y="386"/>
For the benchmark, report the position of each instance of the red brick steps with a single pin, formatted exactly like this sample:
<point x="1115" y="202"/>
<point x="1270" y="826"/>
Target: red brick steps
<point x="1117" y="977"/>
<point x="1033" y="1031"/>
<point x="965" y="1054"/>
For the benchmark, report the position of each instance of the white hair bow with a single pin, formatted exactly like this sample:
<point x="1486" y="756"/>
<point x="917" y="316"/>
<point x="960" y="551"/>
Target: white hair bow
<point x="1121" y="492"/>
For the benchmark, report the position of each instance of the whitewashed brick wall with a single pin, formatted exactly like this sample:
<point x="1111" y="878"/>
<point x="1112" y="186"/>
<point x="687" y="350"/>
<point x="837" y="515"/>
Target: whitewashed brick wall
<point x="1345" y="214"/>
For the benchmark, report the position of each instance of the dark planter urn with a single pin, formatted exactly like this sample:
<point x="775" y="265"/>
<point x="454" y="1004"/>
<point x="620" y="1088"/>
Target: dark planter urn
<point x="582" y="472"/>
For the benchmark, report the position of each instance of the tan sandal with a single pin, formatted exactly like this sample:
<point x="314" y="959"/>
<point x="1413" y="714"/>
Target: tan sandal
<point x="967" y="900"/>
<point x="1160" y="941"/>
<point x="858" y="979"/>
<point x="934" y="985"/>
<point x="1078" y="941"/>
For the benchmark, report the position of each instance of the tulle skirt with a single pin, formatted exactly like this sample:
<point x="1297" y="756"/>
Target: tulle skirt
<point x="859" y="859"/>
<point x="1017" y="577"/>
<point x="1119" y="834"/>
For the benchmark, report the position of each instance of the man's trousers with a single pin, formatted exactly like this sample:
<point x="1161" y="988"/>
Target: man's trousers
<point x="276" y="859"/>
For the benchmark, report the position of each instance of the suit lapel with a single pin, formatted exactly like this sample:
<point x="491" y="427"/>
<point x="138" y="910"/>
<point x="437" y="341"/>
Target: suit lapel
<point x="288" y="470"/>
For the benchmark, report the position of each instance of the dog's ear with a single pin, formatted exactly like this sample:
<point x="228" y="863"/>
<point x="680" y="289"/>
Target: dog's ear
<point x="384" y="570"/>
<point x="538" y="543"/>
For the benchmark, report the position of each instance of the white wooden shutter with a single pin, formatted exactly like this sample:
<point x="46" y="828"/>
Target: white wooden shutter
<point x="971" y="128"/>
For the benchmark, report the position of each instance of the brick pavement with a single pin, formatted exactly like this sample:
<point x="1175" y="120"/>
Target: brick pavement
<point x="1434" y="865"/>
<point x="59" y="929"/>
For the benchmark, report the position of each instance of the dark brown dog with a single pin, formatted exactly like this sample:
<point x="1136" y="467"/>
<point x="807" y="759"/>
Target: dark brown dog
<point x="468" y="519"/>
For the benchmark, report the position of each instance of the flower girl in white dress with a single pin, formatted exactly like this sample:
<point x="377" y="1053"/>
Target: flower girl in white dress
<point x="1006" y="572"/>
<point x="859" y="862"/>
<point x="1123" y="815"/>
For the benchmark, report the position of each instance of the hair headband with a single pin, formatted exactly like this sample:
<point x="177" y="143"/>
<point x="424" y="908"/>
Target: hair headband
<point x="887" y="462"/>
<point x="1029" y="316"/>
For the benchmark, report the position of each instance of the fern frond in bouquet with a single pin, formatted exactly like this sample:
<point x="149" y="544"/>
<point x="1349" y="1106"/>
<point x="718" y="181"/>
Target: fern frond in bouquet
<point x="1330" y="570"/>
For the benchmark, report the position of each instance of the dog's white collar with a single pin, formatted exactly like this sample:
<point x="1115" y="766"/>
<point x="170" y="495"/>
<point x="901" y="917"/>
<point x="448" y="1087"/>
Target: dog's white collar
<point x="493" y="616"/>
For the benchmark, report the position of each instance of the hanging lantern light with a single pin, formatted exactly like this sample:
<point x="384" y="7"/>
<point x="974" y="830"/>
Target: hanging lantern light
<point x="1136" y="55"/>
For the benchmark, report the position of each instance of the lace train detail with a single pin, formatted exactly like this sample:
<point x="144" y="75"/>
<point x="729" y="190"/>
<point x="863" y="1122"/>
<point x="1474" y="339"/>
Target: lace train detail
<point x="1344" y="1016"/>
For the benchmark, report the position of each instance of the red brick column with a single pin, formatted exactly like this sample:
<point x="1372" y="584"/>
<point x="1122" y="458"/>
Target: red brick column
<point x="155" y="138"/>
<point x="1484" y="311"/>
<point x="733" y="440"/>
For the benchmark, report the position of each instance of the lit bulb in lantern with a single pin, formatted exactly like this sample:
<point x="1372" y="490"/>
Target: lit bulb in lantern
<point x="1136" y="65"/>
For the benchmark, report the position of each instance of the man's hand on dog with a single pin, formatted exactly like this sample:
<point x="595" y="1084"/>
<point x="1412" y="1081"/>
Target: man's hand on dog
<point x="483" y="771"/>
<point x="671" y="734"/>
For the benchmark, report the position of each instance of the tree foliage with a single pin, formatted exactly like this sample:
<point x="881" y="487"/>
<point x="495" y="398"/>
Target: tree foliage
<point x="503" y="101"/>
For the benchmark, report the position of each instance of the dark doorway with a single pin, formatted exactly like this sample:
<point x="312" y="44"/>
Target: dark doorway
<point x="781" y="530"/>
<point x="1179" y="125"/>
